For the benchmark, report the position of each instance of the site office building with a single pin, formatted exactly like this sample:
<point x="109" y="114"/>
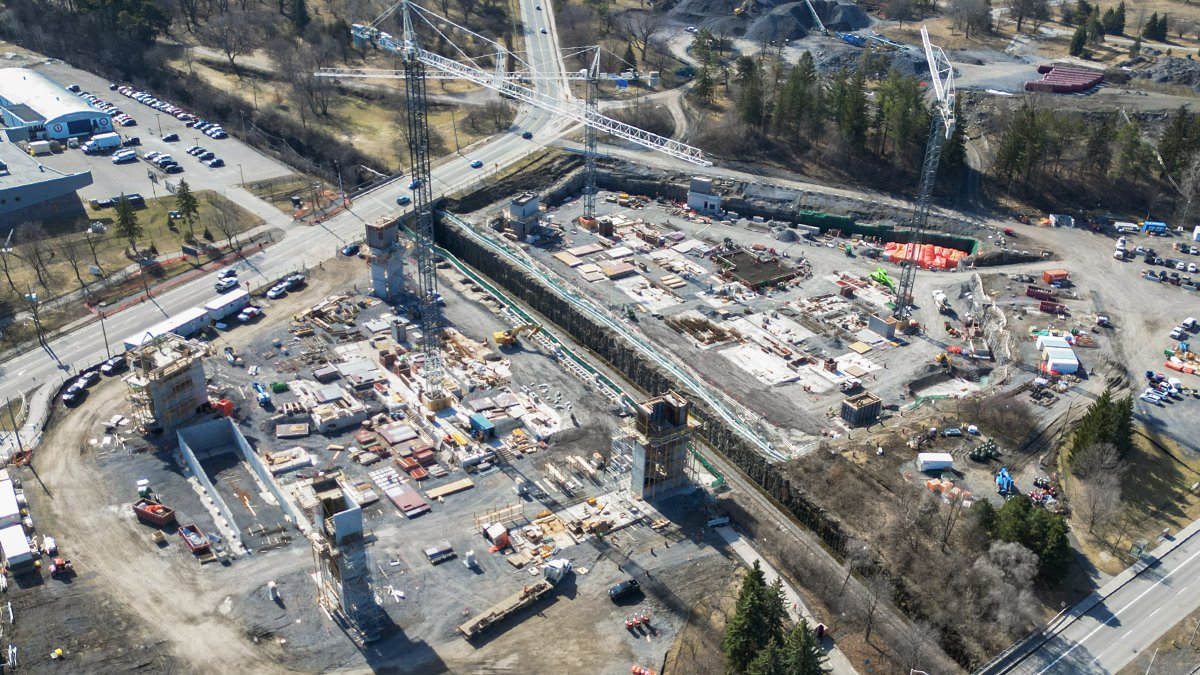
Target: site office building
<point x="36" y="107"/>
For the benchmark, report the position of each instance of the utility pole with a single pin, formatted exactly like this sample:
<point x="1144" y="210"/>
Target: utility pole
<point x="454" y="125"/>
<point x="16" y="431"/>
<point x="33" y="307"/>
<point x="107" y="352"/>
<point x="159" y="120"/>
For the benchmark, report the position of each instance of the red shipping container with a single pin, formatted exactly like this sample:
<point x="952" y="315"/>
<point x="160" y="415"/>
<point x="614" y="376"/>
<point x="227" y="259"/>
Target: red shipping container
<point x="407" y="463"/>
<point x="1039" y="293"/>
<point x="1052" y="307"/>
<point x="419" y="474"/>
<point x="1051" y="276"/>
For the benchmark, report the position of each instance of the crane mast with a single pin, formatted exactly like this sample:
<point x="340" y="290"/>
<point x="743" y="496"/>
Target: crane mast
<point x="942" y="78"/>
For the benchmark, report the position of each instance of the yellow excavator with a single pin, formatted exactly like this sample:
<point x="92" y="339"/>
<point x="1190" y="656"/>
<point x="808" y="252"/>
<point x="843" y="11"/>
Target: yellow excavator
<point x="745" y="7"/>
<point x="503" y="337"/>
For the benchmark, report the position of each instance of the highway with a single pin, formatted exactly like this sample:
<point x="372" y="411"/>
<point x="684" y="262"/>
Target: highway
<point x="1109" y="635"/>
<point x="303" y="246"/>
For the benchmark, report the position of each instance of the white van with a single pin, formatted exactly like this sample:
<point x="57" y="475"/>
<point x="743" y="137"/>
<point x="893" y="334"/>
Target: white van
<point x="1189" y="323"/>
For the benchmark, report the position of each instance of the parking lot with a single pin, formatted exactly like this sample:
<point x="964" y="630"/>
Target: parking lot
<point x="242" y="163"/>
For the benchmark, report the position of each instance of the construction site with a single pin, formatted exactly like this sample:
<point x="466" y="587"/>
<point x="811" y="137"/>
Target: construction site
<point x="469" y="429"/>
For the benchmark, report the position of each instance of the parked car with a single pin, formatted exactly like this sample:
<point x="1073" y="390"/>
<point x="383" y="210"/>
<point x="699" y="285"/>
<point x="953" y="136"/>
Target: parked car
<point x="173" y="168"/>
<point x="249" y="313"/>
<point x="73" y="88"/>
<point x="351" y="249"/>
<point x="277" y="291"/>
<point x="1181" y="266"/>
<point x="205" y="156"/>
<point x="215" y="163"/>
<point x="950" y="432"/>
<point x="113" y="365"/>
<point x="1177" y="333"/>
<point x="131" y="141"/>
<point x="624" y="588"/>
<point x="294" y="281"/>
<point x="73" y="394"/>
<point x="171" y="138"/>
<point x="195" y="150"/>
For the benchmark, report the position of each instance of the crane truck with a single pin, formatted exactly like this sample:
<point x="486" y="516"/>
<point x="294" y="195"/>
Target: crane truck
<point x="502" y="337"/>
<point x="553" y="572"/>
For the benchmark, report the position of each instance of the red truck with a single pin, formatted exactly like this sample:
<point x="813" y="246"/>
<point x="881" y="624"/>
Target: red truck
<point x="153" y="512"/>
<point x="193" y="538"/>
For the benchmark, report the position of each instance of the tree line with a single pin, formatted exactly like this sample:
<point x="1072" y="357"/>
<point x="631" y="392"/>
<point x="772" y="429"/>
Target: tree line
<point x="757" y="639"/>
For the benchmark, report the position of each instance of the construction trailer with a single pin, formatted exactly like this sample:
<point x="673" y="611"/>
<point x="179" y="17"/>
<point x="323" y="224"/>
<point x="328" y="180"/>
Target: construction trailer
<point x="861" y="410"/>
<point x="658" y="441"/>
<point x="343" y="567"/>
<point x="166" y="382"/>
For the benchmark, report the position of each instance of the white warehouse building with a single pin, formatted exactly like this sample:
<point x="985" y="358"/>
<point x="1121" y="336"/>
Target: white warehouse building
<point x="36" y="107"/>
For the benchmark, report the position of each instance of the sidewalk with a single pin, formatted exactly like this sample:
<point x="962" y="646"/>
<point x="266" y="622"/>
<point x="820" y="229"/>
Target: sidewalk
<point x="38" y="408"/>
<point x="795" y="604"/>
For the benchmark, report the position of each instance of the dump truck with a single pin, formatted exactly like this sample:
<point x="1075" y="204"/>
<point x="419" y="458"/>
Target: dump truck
<point x="153" y="512"/>
<point x="193" y="538"/>
<point x="552" y="573"/>
<point x="509" y="337"/>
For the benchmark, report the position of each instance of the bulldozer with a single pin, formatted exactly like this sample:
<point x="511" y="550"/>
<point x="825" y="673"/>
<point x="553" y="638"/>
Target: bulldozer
<point x="502" y="337"/>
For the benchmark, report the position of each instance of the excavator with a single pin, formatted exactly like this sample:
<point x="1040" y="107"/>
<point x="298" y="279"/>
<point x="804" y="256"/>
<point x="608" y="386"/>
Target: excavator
<point x="745" y="7"/>
<point x="502" y="337"/>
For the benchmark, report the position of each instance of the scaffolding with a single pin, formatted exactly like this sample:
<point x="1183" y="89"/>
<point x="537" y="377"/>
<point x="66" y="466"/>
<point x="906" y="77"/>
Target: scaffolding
<point x="167" y="383"/>
<point x="658" y="440"/>
<point x="345" y="589"/>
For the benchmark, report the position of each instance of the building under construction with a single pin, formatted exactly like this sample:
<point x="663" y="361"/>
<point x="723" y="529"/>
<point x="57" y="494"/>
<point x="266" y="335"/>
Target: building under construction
<point x="385" y="252"/>
<point x="166" y="382"/>
<point x="861" y="410"/>
<point x="344" y="587"/>
<point x="657" y="440"/>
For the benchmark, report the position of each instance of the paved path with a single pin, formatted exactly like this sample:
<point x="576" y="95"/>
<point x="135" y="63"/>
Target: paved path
<point x="37" y="410"/>
<point x="796" y="608"/>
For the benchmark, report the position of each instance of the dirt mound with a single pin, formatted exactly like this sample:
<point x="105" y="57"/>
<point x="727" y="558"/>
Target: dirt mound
<point x="909" y="63"/>
<point x="1172" y="70"/>
<point x="769" y="19"/>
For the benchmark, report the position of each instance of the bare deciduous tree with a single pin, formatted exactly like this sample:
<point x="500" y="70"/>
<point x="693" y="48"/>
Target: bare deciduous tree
<point x="223" y="219"/>
<point x="234" y="34"/>
<point x="877" y="592"/>
<point x="1096" y="459"/>
<point x="75" y="252"/>
<point x="642" y="27"/>
<point x="1098" y="499"/>
<point x="35" y="251"/>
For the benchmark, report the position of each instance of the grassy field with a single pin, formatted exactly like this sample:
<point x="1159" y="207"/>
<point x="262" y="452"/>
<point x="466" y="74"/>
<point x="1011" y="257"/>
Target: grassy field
<point x="111" y="249"/>
<point x="1156" y="494"/>
<point x="9" y="411"/>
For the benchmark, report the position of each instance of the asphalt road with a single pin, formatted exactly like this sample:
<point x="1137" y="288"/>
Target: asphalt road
<point x="1112" y="633"/>
<point x="302" y="246"/>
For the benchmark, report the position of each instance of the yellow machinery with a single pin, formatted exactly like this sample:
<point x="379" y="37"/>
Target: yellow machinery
<point x="745" y="6"/>
<point x="501" y="337"/>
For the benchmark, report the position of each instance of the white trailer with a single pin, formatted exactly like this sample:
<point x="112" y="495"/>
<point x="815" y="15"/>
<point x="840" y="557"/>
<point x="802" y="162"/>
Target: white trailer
<point x="182" y="324"/>
<point x="934" y="461"/>
<point x="227" y="305"/>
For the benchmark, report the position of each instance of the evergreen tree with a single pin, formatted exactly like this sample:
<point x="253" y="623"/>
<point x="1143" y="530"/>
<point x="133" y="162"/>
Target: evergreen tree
<point x="1021" y="144"/>
<point x="127" y="224"/>
<point x="774" y="613"/>
<point x="848" y="103"/>
<point x="1083" y="11"/>
<point x="985" y="514"/>
<point x="1038" y="530"/>
<point x="750" y="102"/>
<point x="803" y="651"/>
<point x="1133" y="154"/>
<point x="700" y="45"/>
<point x="1160" y="32"/>
<point x="629" y="59"/>
<point x="746" y="628"/>
<point x="770" y="661"/>
<point x="705" y="87"/>
<point x="797" y="100"/>
<point x="1135" y="49"/>
<point x="187" y="205"/>
<point x="1095" y="29"/>
<point x="1099" y="145"/>
<point x="954" y="149"/>
<point x="1150" y="28"/>
<point x="1078" y="40"/>
<point x="1119" y="20"/>
<point x="1174" y="145"/>
<point x="300" y="18"/>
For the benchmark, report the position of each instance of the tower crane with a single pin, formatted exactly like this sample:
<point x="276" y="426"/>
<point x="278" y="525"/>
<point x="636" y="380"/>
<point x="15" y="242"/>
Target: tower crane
<point x="418" y="63"/>
<point x="941" y="76"/>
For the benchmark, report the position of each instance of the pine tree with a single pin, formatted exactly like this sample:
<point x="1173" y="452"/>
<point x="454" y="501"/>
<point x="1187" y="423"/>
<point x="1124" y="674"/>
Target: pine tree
<point x="704" y="88"/>
<point x="1163" y="26"/>
<point x="770" y="661"/>
<point x="1174" y="144"/>
<point x="795" y="102"/>
<point x="1135" y="49"/>
<point x="127" y="224"/>
<point x="629" y="59"/>
<point x="1119" y="21"/>
<point x="1150" y="28"/>
<point x="1095" y="29"/>
<point x="750" y="103"/>
<point x="300" y="18"/>
<point x="954" y="149"/>
<point x="1109" y="20"/>
<point x="850" y="108"/>
<point x="1099" y="145"/>
<point x="745" y="628"/>
<point x="1078" y="40"/>
<point x="1083" y="10"/>
<point x="187" y="205"/>
<point x="803" y="651"/>
<point x="774" y="613"/>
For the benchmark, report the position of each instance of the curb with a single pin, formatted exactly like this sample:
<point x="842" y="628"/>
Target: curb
<point x="1098" y="596"/>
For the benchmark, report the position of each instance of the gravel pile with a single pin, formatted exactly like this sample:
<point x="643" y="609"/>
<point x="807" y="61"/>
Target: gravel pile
<point x="833" y="59"/>
<point x="1172" y="70"/>
<point x="769" y="19"/>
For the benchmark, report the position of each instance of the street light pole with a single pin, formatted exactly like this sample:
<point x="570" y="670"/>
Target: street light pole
<point x="242" y="174"/>
<point x="37" y="323"/>
<point x="454" y="125"/>
<point x="159" y="120"/>
<point x="107" y="353"/>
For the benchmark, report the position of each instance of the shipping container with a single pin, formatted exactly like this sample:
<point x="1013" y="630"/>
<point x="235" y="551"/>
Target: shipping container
<point x="1052" y="341"/>
<point x="1051" y="276"/>
<point x="17" y="552"/>
<point x="227" y="305"/>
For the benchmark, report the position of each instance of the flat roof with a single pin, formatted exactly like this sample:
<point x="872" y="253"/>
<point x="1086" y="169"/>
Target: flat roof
<point x="14" y="543"/>
<point x="26" y="170"/>
<point x="8" y="501"/>
<point x="29" y="88"/>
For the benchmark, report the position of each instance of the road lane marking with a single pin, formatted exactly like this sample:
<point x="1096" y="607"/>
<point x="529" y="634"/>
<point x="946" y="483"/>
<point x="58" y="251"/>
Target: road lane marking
<point x="1116" y="614"/>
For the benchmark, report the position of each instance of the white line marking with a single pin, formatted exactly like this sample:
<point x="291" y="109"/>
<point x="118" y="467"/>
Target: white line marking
<point x="1115" y="615"/>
